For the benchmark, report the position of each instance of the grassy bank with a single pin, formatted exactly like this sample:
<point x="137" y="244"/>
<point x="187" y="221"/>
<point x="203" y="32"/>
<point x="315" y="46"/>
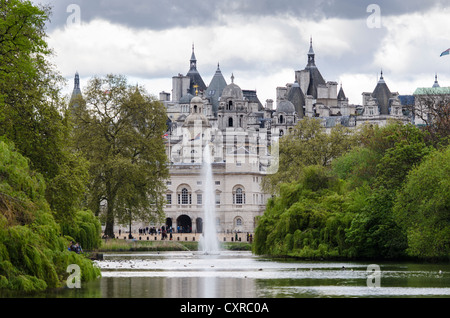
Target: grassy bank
<point x="162" y="246"/>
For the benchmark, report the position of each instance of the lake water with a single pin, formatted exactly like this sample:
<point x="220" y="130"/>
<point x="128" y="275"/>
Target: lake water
<point x="243" y="275"/>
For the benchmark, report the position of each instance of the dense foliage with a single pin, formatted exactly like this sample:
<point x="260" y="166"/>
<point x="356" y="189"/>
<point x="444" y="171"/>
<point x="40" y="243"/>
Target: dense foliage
<point x="385" y="198"/>
<point x="42" y="180"/>
<point x="423" y="206"/>
<point x="33" y="252"/>
<point x="307" y="144"/>
<point x="59" y="159"/>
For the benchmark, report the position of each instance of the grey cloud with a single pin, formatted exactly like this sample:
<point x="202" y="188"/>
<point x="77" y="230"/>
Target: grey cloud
<point x="158" y="14"/>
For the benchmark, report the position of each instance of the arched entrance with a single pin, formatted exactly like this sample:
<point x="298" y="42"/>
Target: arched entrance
<point x="169" y="223"/>
<point x="199" y="225"/>
<point x="184" y="224"/>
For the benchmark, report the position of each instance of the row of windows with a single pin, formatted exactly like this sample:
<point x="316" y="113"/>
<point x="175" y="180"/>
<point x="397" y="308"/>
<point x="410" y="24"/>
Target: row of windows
<point x="185" y="198"/>
<point x="169" y="183"/>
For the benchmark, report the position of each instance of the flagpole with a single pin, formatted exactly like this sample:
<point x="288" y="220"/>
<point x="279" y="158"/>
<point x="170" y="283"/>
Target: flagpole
<point x="170" y="150"/>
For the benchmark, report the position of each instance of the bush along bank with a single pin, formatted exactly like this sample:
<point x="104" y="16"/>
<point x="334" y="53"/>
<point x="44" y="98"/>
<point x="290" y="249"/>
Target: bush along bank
<point x="34" y="254"/>
<point x="386" y="199"/>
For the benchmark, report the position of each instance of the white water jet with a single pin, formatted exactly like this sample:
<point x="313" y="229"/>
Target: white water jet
<point x="209" y="243"/>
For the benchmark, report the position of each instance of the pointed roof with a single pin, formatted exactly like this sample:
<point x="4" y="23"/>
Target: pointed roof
<point x="193" y="58"/>
<point x="76" y="87"/>
<point x="341" y="95"/>
<point x="252" y="97"/>
<point x="382" y="94"/>
<point x="311" y="51"/>
<point x="215" y="89"/>
<point x="316" y="78"/>
<point x="297" y="98"/>
<point x="196" y="79"/>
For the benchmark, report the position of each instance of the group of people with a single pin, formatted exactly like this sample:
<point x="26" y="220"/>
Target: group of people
<point x="147" y="230"/>
<point x="163" y="231"/>
<point x="184" y="229"/>
<point x="75" y="247"/>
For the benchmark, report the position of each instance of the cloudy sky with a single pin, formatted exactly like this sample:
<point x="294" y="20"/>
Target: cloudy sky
<point x="263" y="42"/>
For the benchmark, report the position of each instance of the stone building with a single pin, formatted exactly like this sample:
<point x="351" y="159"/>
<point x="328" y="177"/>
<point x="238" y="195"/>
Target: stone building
<point x="382" y="105"/>
<point x="236" y="126"/>
<point x="240" y="131"/>
<point x="312" y="96"/>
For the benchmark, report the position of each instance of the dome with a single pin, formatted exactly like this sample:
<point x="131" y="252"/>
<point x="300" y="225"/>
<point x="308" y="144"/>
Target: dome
<point x="186" y="99"/>
<point x="232" y="91"/>
<point x="285" y="107"/>
<point x="192" y="119"/>
<point x="196" y="114"/>
<point x="197" y="100"/>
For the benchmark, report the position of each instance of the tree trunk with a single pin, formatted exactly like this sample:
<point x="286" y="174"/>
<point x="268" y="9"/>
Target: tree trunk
<point x="109" y="229"/>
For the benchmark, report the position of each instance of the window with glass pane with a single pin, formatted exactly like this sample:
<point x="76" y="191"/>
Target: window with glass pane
<point x="217" y="198"/>
<point x="239" y="196"/>
<point x="185" y="196"/>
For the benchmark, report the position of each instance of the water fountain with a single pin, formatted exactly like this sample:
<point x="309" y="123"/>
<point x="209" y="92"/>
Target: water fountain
<point x="209" y="243"/>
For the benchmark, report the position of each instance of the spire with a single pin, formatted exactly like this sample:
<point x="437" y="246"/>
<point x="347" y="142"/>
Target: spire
<point x="436" y="83"/>
<point x="76" y="90"/>
<point x="232" y="78"/>
<point x="194" y="75"/>
<point x="311" y="50"/>
<point x="311" y="55"/>
<point x="381" y="78"/>
<point x="193" y="59"/>
<point x="341" y="94"/>
<point x="77" y="81"/>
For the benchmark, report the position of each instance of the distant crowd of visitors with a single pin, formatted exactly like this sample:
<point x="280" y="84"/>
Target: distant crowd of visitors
<point x="166" y="232"/>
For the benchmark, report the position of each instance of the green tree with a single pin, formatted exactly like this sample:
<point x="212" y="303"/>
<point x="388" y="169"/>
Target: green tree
<point x="358" y="167"/>
<point x="119" y="128"/>
<point x="374" y="233"/>
<point x="307" y="144"/>
<point x="33" y="253"/>
<point x="307" y="219"/>
<point x="423" y="207"/>
<point x="408" y="150"/>
<point x="30" y="87"/>
<point x="32" y="112"/>
<point x="379" y="167"/>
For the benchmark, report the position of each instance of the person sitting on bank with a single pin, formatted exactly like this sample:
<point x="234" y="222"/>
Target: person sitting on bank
<point x="75" y="248"/>
<point x="71" y="247"/>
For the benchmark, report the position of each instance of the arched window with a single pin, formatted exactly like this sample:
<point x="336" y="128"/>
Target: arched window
<point x="230" y="105"/>
<point x="230" y="122"/>
<point x="281" y="119"/>
<point x="184" y="198"/>
<point x="239" y="196"/>
<point x="238" y="222"/>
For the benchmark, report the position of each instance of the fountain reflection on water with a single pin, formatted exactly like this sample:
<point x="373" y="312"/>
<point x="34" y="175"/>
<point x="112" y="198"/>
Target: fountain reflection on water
<point x="209" y="243"/>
